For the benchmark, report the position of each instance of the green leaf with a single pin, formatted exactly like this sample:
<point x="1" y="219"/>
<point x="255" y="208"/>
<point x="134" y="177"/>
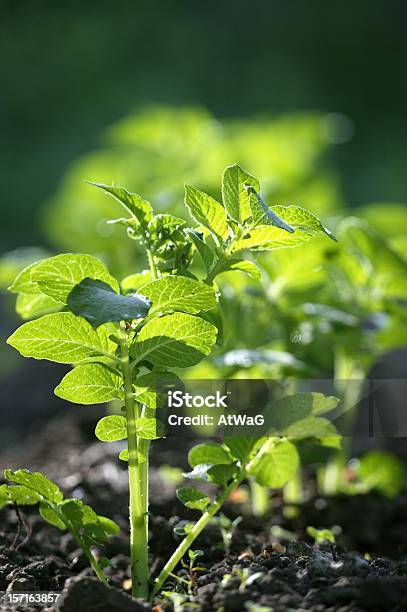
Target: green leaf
<point x="221" y="474"/>
<point x="151" y="389"/>
<point x="133" y="282"/>
<point x="36" y="482"/>
<point x="150" y="429"/>
<point x="30" y="306"/>
<point x="23" y="496"/>
<point x="208" y="453"/>
<point x="133" y="203"/>
<point x="23" y="282"/>
<point x="240" y="447"/>
<point x="177" y="340"/>
<point x="124" y="454"/>
<point x="90" y="384"/>
<point x="267" y="238"/>
<point x="104" y="529"/>
<point x="96" y="302"/>
<point x="57" y="276"/>
<point x="261" y="214"/>
<point x="311" y="427"/>
<point x="51" y="516"/>
<point x="235" y="194"/>
<point x="76" y="514"/>
<point x="381" y="471"/>
<point x="276" y="467"/>
<point x="111" y="428"/>
<point x="239" y="265"/>
<point x="203" y="249"/>
<point x="60" y="337"/>
<point x="206" y="211"/>
<point x="302" y="220"/>
<point x="4" y="496"/>
<point x="171" y="293"/>
<point x="193" y="498"/>
<point x="293" y="413"/>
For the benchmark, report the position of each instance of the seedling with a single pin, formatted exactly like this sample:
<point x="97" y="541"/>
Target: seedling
<point x="122" y="339"/>
<point x="32" y="488"/>
<point x="321" y="536"/>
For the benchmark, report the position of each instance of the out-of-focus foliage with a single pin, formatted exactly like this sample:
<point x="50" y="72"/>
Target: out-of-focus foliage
<point x="156" y="151"/>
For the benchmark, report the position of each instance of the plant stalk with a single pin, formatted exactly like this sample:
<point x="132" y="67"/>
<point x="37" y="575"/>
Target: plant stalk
<point x="138" y="485"/>
<point x="194" y="533"/>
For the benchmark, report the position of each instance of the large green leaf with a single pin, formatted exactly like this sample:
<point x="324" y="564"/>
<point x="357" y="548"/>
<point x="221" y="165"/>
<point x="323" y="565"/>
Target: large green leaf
<point x="261" y="214"/>
<point x="104" y="529"/>
<point x="208" y="453"/>
<point x="57" y="276"/>
<point x="96" y="302"/>
<point x="30" y="305"/>
<point x="23" y="282"/>
<point x="92" y="383"/>
<point x="207" y="212"/>
<point x="177" y="340"/>
<point x="301" y="219"/>
<point x="235" y="194"/>
<point x="60" y="337"/>
<point x="171" y="293"/>
<point x="267" y="238"/>
<point x="133" y="282"/>
<point x="77" y="514"/>
<point x="111" y="428"/>
<point x="35" y="482"/>
<point x="276" y="467"/>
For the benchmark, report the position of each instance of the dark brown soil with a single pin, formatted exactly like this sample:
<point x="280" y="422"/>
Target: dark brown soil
<point x="258" y="573"/>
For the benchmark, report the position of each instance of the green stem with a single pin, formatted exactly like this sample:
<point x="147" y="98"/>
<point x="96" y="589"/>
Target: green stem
<point x="206" y="517"/>
<point x="194" y="533"/>
<point x="93" y="562"/>
<point x="137" y="482"/>
<point x="260" y="499"/>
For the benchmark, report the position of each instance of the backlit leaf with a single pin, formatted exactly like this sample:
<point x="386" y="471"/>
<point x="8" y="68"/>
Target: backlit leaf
<point x="90" y="384"/>
<point x="179" y="293"/>
<point x="207" y="212"/>
<point x="208" y="453"/>
<point x="149" y="429"/>
<point x="178" y="340"/>
<point x="57" y="276"/>
<point x="276" y="467"/>
<point x="60" y="337"/>
<point x="111" y="428"/>
<point x="36" y="482"/>
<point x="235" y="194"/>
<point x="133" y="203"/>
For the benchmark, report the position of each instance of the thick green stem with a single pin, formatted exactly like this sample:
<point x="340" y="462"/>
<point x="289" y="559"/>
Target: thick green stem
<point x="260" y="499"/>
<point x="137" y="483"/>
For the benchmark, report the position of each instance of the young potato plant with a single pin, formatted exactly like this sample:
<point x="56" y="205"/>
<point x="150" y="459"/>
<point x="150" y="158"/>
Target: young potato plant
<point x="32" y="488"/>
<point x="124" y="339"/>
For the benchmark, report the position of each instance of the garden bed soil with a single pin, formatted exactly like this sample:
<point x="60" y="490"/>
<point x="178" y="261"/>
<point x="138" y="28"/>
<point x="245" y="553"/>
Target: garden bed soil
<point x="258" y="570"/>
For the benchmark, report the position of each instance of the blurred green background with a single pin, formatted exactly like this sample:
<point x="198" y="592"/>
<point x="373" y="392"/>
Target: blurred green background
<point x="71" y="70"/>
